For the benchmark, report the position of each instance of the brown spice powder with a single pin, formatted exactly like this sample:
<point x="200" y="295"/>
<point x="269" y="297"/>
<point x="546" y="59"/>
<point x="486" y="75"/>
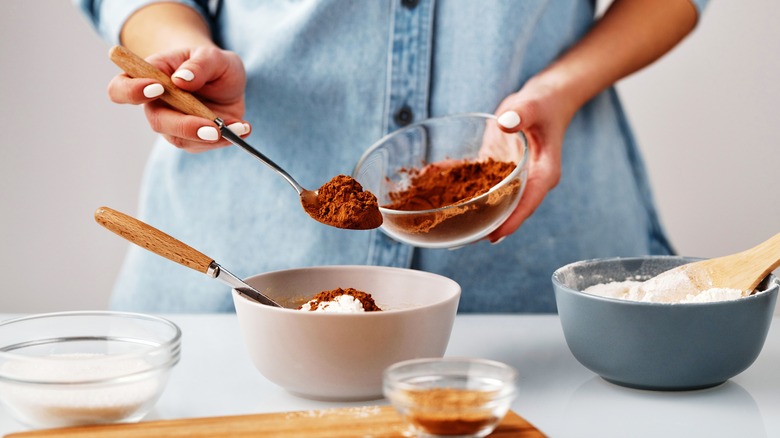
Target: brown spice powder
<point x="450" y="411"/>
<point x="344" y="204"/>
<point x="329" y="295"/>
<point x="439" y="185"/>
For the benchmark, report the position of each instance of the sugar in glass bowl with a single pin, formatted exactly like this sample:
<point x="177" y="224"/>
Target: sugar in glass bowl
<point x="91" y="367"/>
<point x="384" y="170"/>
<point x="659" y="346"/>
<point x="451" y="396"/>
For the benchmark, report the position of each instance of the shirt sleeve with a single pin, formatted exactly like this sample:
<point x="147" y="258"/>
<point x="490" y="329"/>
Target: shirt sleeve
<point x="109" y="16"/>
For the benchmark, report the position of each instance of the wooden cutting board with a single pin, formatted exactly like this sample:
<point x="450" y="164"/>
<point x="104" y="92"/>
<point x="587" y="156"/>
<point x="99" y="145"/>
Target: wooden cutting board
<point x="366" y="421"/>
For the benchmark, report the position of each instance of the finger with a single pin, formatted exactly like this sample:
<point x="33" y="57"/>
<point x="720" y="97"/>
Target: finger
<point x="241" y="129"/>
<point x="189" y="132"/>
<point x="532" y="197"/>
<point x="509" y="121"/>
<point x="126" y="90"/>
<point x="204" y="65"/>
<point x="182" y="130"/>
<point x="543" y="176"/>
<point x="515" y="114"/>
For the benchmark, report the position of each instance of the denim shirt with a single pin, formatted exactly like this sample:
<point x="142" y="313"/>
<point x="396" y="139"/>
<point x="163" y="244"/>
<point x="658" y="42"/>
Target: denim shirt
<point x="325" y="80"/>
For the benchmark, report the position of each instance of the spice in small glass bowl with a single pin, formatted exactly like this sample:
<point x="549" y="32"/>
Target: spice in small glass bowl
<point x="451" y="397"/>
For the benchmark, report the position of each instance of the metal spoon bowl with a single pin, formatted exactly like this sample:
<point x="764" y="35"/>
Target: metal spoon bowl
<point x="154" y="240"/>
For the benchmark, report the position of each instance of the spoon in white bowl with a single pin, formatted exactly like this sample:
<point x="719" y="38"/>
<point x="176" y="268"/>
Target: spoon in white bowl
<point x="742" y="271"/>
<point x="154" y="240"/>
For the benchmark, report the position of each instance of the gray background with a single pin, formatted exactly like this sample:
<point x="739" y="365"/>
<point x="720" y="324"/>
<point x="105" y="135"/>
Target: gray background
<point x="705" y="117"/>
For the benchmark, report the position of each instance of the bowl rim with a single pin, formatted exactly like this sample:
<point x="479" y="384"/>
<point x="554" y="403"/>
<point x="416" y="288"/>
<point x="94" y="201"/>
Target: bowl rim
<point x="508" y="386"/>
<point x="455" y="296"/>
<point x="773" y="286"/>
<point x="172" y="346"/>
<point x="512" y="175"/>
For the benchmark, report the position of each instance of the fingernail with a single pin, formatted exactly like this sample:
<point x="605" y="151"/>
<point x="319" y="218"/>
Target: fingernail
<point x="184" y="74"/>
<point x="153" y="90"/>
<point x="509" y="119"/>
<point x="497" y="241"/>
<point x="238" y="128"/>
<point x="208" y="133"/>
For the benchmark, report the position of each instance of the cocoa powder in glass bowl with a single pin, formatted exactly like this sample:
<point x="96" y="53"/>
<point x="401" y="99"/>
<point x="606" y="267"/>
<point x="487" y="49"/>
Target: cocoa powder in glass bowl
<point x="445" y="182"/>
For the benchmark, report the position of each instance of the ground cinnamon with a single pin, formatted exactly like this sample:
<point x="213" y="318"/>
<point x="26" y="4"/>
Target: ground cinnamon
<point x="452" y="184"/>
<point x="342" y="203"/>
<point x="439" y="185"/>
<point x="329" y="295"/>
<point x="451" y="411"/>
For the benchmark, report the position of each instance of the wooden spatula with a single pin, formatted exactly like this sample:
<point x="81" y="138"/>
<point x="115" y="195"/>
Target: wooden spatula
<point x="742" y="271"/>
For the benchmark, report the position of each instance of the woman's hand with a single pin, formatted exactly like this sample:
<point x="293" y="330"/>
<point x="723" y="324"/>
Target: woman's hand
<point x="214" y="76"/>
<point x="629" y="36"/>
<point x="544" y="114"/>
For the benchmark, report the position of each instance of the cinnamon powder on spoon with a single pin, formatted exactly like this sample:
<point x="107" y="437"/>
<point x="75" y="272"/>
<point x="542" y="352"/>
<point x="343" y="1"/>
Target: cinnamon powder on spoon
<point x="343" y="203"/>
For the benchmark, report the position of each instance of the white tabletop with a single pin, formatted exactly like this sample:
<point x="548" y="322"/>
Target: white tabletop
<point x="556" y="394"/>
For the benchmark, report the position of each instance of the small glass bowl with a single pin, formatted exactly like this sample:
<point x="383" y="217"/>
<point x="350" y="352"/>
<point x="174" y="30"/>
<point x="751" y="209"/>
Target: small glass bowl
<point x="451" y="396"/>
<point x="75" y="368"/>
<point x="384" y="169"/>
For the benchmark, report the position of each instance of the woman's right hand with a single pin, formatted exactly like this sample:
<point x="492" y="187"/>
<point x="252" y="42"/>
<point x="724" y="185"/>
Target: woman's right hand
<point x="214" y="76"/>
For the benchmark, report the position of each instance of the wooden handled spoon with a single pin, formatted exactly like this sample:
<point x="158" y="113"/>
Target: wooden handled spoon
<point x="742" y="271"/>
<point x="352" y="209"/>
<point x="154" y="240"/>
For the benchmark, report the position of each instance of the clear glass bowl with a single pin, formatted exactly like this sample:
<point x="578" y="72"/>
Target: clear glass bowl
<point x="74" y="368"/>
<point x="451" y="396"/>
<point x="385" y="167"/>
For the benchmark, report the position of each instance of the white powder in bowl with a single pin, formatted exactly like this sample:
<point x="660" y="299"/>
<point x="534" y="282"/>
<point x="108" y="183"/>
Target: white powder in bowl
<point x="341" y="304"/>
<point x="658" y="293"/>
<point x="56" y="405"/>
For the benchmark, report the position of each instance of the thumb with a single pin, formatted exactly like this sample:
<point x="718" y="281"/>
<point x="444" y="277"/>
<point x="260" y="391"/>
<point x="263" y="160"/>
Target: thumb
<point x="509" y="121"/>
<point x="516" y="113"/>
<point x="200" y="67"/>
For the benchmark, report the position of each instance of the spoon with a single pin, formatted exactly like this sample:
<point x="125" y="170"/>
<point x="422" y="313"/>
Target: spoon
<point x="154" y="240"/>
<point x="742" y="271"/>
<point x="363" y="215"/>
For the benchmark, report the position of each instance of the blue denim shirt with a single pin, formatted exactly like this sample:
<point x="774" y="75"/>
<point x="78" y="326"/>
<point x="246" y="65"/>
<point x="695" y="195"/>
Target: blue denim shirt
<point x="325" y="80"/>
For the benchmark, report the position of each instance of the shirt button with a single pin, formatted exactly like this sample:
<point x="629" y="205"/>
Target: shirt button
<point x="404" y="116"/>
<point x="410" y="4"/>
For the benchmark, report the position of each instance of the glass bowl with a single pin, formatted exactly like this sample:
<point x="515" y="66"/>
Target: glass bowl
<point x="388" y="167"/>
<point x="74" y="368"/>
<point x="451" y="396"/>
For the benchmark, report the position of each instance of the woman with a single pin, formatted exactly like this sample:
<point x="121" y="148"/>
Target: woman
<point x="316" y="82"/>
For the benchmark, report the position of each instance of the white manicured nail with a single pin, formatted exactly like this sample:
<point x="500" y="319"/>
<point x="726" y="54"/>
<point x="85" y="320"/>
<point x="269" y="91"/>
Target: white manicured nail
<point x="238" y="128"/>
<point x="184" y="74"/>
<point x="499" y="240"/>
<point x="208" y="133"/>
<point x="153" y="90"/>
<point x="509" y="119"/>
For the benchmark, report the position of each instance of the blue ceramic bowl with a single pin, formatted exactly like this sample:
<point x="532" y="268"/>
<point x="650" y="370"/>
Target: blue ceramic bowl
<point x="654" y="345"/>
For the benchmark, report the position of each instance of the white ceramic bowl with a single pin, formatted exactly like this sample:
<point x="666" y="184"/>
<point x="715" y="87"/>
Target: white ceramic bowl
<point x="384" y="169"/>
<point x="75" y="368"/>
<point x="342" y="356"/>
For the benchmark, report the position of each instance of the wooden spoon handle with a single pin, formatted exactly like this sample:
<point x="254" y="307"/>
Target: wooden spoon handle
<point x="765" y="256"/>
<point x="137" y="67"/>
<point x="152" y="239"/>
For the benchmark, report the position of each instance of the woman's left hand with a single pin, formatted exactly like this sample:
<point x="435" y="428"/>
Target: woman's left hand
<point x="544" y="114"/>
